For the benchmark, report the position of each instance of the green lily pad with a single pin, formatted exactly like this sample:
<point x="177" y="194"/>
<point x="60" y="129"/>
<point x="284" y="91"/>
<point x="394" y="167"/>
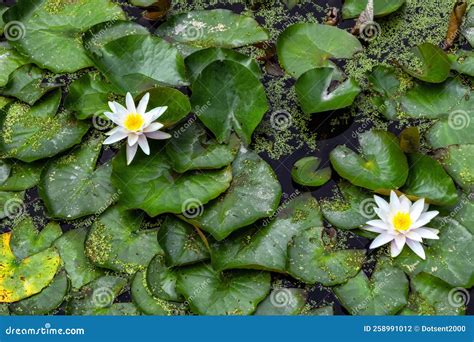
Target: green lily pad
<point x="10" y="60"/>
<point x="49" y="299"/>
<point x="73" y="187"/>
<point x="385" y="293"/>
<point x="450" y="258"/>
<point x="212" y="28"/>
<point x="150" y="184"/>
<point x="199" y="60"/>
<point x="3" y="9"/>
<point x="305" y="172"/>
<point x="238" y="106"/>
<point x="55" y="29"/>
<point x="455" y="129"/>
<point x="353" y="8"/>
<point x="32" y="133"/>
<point x="162" y="280"/>
<point x="458" y="162"/>
<point x="463" y="62"/>
<point x="431" y="296"/>
<point x="147" y="303"/>
<point x="350" y="207"/>
<point x="315" y="96"/>
<point x="11" y="204"/>
<point x="115" y="241"/>
<point x="78" y="267"/>
<point x="464" y="212"/>
<point x="311" y="260"/>
<point x="22" y="176"/>
<point x="181" y="243"/>
<point x="381" y="164"/>
<point x="306" y="46"/>
<point x="429" y="63"/>
<point x="322" y="311"/>
<point x="20" y="279"/>
<point x="192" y="148"/>
<point x="266" y="247"/>
<point x="254" y="191"/>
<point x="384" y="81"/>
<point x="230" y="293"/>
<point x="468" y="27"/>
<point x="282" y="301"/>
<point x="427" y="179"/>
<point x="5" y="170"/>
<point x="26" y="240"/>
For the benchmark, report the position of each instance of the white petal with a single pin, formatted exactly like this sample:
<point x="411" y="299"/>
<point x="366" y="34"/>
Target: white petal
<point x="428" y="233"/>
<point x="144" y="144"/>
<point x="158" y="135"/>
<point x="117" y="136"/>
<point x="131" y="151"/>
<point x="381" y="240"/>
<point x="416" y="247"/>
<point x="112" y="106"/>
<point x="394" y="250"/>
<point x="130" y="104"/>
<point x="143" y="103"/>
<point x="132" y="139"/>
<point x="114" y="117"/>
<point x="154" y="126"/>
<point x="400" y="240"/>
<point x="155" y="113"/>
<point x="413" y="235"/>
<point x="394" y="201"/>
<point x="405" y="204"/>
<point x="117" y="108"/>
<point x="114" y="130"/>
<point x="424" y="219"/>
<point x="374" y="229"/>
<point x="382" y="204"/>
<point x="384" y="216"/>
<point x="378" y="223"/>
<point x="417" y="209"/>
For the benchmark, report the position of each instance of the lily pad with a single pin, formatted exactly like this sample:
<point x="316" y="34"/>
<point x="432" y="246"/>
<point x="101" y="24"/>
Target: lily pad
<point x="253" y="194"/>
<point x="468" y="26"/>
<point x="162" y="280"/>
<point x="192" y="148"/>
<point x="11" y="204"/>
<point x="350" y="207"/>
<point x="427" y="179"/>
<point x="353" y="8"/>
<point x="306" y="46"/>
<point x="311" y="260"/>
<point x="50" y="30"/>
<point x="22" y="176"/>
<point x="73" y="187"/>
<point x="384" y="81"/>
<point x="463" y="62"/>
<point x="385" y="293"/>
<point x="381" y="164"/>
<point x="464" y="212"/>
<point x="456" y="129"/>
<point x="429" y="63"/>
<point x="230" y="293"/>
<point x="305" y="172"/>
<point x="282" y="301"/>
<point x="115" y="241"/>
<point x="266" y="247"/>
<point x="78" y="267"/>
<point x="315" y="92"/>
<point x="32" y="133"/>
<point x="150" y="184"/>
<point x="458" y="161"/>
<point x="181" y="243"/>
<point x="5" y="169"/>
<point x="239" y="105"/>
<point x="10" y="60"/>
<point x="20" y="279"/>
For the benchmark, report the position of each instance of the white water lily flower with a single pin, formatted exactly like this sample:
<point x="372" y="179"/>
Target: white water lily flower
<point x="402" y="222"/>
<point x="135" y="124"/>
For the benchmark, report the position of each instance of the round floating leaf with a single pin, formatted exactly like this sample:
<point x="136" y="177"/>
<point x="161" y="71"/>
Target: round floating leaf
<point x="233" y="97"/>
<point x="385" y="293"/>
<point x="253" y="194"/>
<point x="463" y="62"/>
<point x="199" y="60"/>
<point x="265" y="247"/>
<point x="46" y="301"/>
<point x="456" y="129"/>
<point x="72" y="186"/>
<point x="450" y="258"/>
<point x="181" y="243"/>
<point x="431" y="296"/>
<point x="350" y="207"/>
<point x="312" y="261"/>
<point x="10" y="60"/>
<point x="458" y="160"/>
<point x="353" y="8"/>
<point x="464" y="212"/>
<point x="22" y="176"/>
<point x="150" y="184"/>
<point x="305" y="172"/>
<point x="282" y="301"/>
<point x="428" y="63"/>
<point x="115" y="241"/>
<point x="315" y="96"/>
<point x="213" y="28"/>
<point x="20" y="279"/>
<point x="305" y="46"/>
<point x="71" y="248"/>
<point x="51" y="29"/>
<point x="162" y="280"/>
<point x="31" y="133"/>
<point x="5" y="169"/>
<point x="230" y="293"/>
<point x="192" y="148"/>
<point x="148" y="304"/>
<point x="11" y="203"/>
<point x="381" y="164"/>
<point x="384" y="82"/>
<point x="428" y="180"/>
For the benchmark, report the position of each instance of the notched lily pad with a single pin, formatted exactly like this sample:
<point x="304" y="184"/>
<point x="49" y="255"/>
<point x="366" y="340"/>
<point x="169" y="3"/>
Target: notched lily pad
<point x="162" y="280"/>
<point x="305" y="172"/>
<point x="22" y="176"/>
<point x="429" y="63"/>
<point x="353" y="8"/>
<point x="455" y="129"/>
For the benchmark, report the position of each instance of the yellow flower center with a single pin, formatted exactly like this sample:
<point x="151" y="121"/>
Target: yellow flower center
<point x="133" y="122"/>
<point x="402" y="221"/>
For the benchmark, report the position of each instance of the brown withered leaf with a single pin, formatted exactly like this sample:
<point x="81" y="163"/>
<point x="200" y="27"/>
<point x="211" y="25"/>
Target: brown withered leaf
<point x="332" y="16"/>
<point x="410" y="140"/>
<point x="455" y="21"/>
<point x="158" y="10"/>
